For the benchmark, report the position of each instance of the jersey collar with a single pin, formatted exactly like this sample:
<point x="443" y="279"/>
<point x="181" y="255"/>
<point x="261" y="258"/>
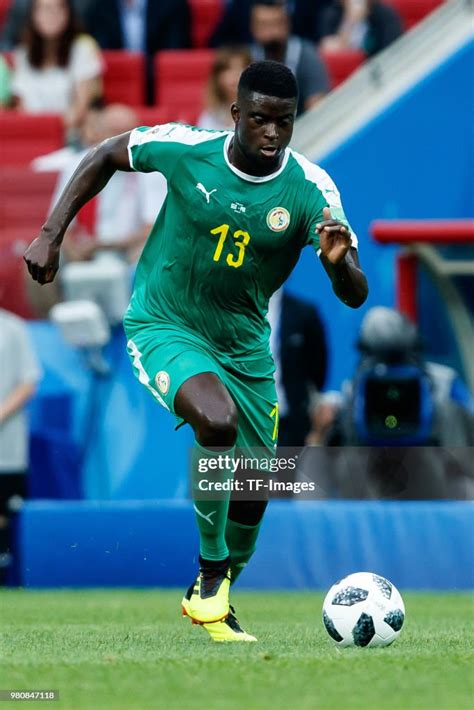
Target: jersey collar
<point x="253" y="178"/>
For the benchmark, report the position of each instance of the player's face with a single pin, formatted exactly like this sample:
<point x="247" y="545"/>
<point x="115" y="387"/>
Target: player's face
<point x="263" y="129"/>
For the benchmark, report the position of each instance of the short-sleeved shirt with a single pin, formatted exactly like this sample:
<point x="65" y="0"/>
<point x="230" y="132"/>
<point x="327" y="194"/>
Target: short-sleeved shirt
<point x="224" y="241"/>
<point x="306" y="64"/>
<point x="18" y="365"/>
<point x="51" y="89"/>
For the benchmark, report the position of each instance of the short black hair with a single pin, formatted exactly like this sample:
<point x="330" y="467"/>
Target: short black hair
<point x="270" y="79"/>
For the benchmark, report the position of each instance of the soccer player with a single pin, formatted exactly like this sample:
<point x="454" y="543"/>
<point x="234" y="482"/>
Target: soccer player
<point x="240" y="207"/>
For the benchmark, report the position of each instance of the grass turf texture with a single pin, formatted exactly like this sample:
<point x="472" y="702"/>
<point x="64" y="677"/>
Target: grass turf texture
<point x="130" y="649"/>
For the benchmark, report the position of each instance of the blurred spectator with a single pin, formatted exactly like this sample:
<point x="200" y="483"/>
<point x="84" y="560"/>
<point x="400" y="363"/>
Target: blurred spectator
<point x="5" y="91"/>
<point x="270" y="26"/>
<point x="234" y="27"/>
<point x="140" y="26"/>
<point x="228" y="65"/>
<point x="56" y="69"/>
<point x="298" y="344"/>
<point x="20" y="374"/>
<point x="360" y="24"/>
<point x="307" y="17"/>
<point x="16" y="21"/>
<point x="110" y="231"/>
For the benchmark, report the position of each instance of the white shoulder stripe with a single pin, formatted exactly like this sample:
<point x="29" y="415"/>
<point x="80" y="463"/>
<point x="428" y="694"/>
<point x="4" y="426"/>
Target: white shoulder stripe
<point x="171" y="133"/>
<point x="315" y="174"/>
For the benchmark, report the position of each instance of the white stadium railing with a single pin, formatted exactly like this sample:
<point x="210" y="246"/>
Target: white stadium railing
<point x="383" y="79"/>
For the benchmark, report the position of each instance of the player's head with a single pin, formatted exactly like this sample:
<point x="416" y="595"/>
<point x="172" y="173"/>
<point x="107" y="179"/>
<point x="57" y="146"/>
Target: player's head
<point x="264" y="112"/>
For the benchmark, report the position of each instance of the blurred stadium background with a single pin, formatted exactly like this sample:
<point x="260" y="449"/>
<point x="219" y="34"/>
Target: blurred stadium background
<point x="107" y="473"/>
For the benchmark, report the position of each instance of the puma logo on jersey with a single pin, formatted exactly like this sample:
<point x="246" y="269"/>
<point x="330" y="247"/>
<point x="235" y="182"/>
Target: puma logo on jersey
<point x="206" y="194"/>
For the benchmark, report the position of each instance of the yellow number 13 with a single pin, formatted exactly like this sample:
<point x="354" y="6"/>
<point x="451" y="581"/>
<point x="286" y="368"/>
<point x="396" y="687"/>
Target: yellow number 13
<point x="244" y="238"/>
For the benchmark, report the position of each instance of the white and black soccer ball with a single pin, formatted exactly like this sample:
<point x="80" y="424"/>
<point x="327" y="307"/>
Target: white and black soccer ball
<point x="363" y="609"/>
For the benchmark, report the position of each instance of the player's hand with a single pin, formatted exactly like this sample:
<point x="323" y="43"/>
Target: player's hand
<point x="42" y="260"/>
<point x="334" y="238"/>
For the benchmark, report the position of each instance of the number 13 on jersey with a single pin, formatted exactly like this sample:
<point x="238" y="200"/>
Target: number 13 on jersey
<point x="241" y="240"/>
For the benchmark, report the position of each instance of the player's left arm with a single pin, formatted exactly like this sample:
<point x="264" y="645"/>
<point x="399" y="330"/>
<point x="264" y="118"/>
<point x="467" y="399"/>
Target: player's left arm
<point x="341" y="261"/>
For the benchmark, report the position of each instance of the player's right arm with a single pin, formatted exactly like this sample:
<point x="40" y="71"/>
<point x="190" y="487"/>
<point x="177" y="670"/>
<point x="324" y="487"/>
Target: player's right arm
<point x="91" y="176"/>
<point x="331" y="236"/>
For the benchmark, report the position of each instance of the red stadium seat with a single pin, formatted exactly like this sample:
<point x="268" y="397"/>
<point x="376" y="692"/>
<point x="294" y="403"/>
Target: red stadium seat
<point x="25" y="136"/>
<point x="124" y="77"/>
<point x="157" y="115"/>
<point x="205" y="14"/>
<point x="4" y="7"/>
<point x="412" y="11"/>
<point x="341" y="63"/>
<point x="20" y="238"/>
<point x="8" y="57"/>
<point x="181" y="77"/>
<point x="13" y="273"/>
<point x="152" y="115"/>
<point x="26" y="197"/>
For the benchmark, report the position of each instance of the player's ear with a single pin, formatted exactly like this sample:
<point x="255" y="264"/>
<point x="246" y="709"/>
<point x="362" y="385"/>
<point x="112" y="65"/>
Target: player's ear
<point x="235" y="112"/>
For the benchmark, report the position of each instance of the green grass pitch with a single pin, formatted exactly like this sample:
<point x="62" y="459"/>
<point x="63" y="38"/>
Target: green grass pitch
<point x="131" y="649"/>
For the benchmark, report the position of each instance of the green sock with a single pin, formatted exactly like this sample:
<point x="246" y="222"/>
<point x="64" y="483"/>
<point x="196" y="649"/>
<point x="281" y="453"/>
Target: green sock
<point x="241" y="540"/>
<point x="211" y="514"/>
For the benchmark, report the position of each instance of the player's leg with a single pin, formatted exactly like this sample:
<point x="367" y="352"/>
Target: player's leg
<point x="204" y="402"/>
<point x="257" y="433"/>
<point x="169" y="363"/>
<point x="184" y="378"/>
<point x="206" y="405"/>
<point x="243" y="526"/>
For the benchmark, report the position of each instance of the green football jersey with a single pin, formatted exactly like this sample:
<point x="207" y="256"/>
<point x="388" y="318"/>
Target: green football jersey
<point x="223" y="241"/>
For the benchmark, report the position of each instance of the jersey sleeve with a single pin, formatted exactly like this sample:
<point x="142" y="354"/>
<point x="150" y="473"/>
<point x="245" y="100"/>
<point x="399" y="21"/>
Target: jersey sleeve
<point x="160" y="148"/>
<point x="321" y="192"/>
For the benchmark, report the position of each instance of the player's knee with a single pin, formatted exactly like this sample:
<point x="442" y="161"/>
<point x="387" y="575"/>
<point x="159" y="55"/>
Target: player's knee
<point x="218" y="429"/>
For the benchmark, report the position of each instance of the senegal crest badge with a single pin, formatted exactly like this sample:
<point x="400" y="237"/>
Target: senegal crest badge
<point x="278" y="219"/>
<point x="162" y="381"/>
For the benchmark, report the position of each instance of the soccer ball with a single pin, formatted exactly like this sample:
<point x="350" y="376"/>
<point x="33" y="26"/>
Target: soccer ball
<point x="363" y="609"/>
